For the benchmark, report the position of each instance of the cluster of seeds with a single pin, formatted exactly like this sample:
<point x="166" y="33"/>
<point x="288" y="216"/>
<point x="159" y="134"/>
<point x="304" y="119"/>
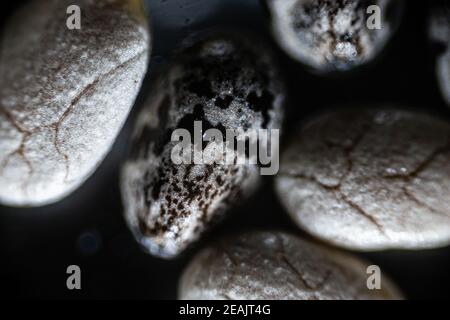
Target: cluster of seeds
<point x="358" y="179"/>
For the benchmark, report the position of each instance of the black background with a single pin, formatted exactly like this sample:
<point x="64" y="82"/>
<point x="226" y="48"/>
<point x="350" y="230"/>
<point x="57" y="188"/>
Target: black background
<point x="87" y="228"/>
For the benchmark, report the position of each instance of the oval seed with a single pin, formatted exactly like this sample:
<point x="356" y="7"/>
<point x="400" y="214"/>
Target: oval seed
<point x="381" y="182"/>
<point x="333" y="35"/>
<point x="278" y="266"/>
<point x="65" y="93"/>
<point x="225" y="82"/>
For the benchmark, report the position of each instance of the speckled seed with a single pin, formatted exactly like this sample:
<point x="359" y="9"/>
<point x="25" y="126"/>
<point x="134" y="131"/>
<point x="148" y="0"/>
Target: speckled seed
<point x="440" y="33"/>
<point x="227" y="82"/>
<point x="278" y="266"/>
<point x="331" y="35"/>
<point x="65" y="94"/>
<point x="370" y="180"/>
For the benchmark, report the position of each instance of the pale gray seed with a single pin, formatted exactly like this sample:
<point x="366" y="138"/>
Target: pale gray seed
<point x="278" y="266"/>
<point x="65" y="94"/>
<point x="370" y="180"/>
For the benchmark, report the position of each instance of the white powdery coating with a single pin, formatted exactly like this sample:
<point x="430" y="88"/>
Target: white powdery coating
<point x="382" y="182"/>
<point x="277" y="266"/>
<point x="440" y="33"/>
<point x="329" y="35"/>
<point x="227" y="82"/>
<point x="65" y="94"/>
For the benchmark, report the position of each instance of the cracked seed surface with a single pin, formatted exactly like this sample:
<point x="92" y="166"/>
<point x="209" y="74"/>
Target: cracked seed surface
<point x="370" y="180"/>
<point x="277" y="266"/>
<point x="65" y="94"/>
<point x="330" y="35"/>
<point x="440" y="33"/>
<point x="226" y="82"/>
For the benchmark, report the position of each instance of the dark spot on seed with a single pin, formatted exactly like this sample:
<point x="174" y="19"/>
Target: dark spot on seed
<point x="224" y="103"/>
<point x="261" y="104"/>
<point x="219" y="181"/>
<point x="201" y="88"/>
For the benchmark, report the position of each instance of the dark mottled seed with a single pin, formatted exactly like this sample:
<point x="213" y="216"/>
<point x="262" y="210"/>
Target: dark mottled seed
<point x="382" y="182"/>
<point x="331" y="35"/>
<point x="65" y="94"/>
<point x="277" y="266"/>
<point x="226" y="82"/>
